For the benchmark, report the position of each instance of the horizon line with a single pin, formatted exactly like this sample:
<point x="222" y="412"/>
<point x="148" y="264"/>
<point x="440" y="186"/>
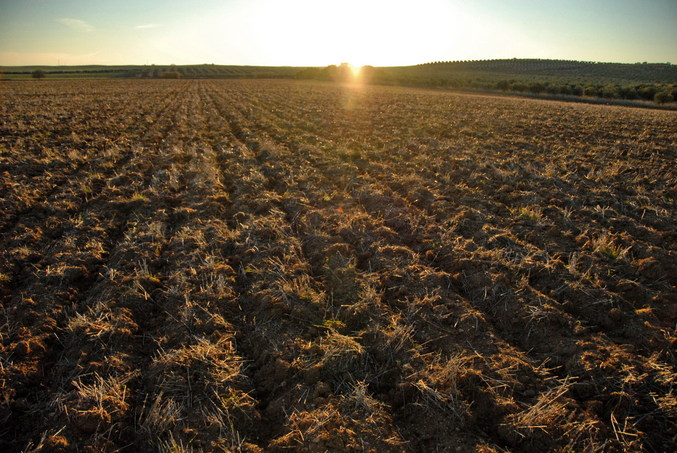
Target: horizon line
<point x="337" y="64"/>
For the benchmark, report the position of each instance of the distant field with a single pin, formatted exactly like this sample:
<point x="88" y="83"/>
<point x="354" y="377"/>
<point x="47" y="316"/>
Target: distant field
<point x="626" y="84"/>
<point x="553" y="70"/>
<point x="545" y="70"/>
<point x="151" y="71"/>
<point x="277" y="265"/>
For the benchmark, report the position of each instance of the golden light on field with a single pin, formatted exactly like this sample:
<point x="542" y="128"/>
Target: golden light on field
<point x="356" y="72"/>
<point x="333" y="231"/>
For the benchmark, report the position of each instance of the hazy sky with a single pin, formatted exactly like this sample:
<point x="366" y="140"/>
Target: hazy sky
<point x="318" y="33"/>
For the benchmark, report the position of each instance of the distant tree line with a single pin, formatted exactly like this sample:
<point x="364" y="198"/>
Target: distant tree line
<point x="340" y="73"/>
<point x="660" y="93"/>
<point x="153" y="71"/>
<point x="170" y="75"/>
<point x="640" y="81"/>
<point x="484" y="79"/>
<point x="570" y="69"/>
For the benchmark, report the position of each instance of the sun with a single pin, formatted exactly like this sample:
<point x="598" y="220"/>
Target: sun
<point x="350" y="73"/>
<point x="363" y="32"/>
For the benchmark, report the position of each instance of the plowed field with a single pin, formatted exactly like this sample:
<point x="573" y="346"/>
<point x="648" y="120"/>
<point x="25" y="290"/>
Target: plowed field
<point x="289" y="266"/>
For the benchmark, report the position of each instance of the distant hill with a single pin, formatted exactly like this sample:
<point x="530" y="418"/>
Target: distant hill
<point x="572" y="71"/>
<point x="546" y="70"/>
<point x="152" y="71"/>
<point x="638" y="81"/>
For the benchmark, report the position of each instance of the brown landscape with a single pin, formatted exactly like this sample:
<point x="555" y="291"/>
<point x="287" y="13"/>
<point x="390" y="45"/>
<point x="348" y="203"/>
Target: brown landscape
<point x="260" y="265"/>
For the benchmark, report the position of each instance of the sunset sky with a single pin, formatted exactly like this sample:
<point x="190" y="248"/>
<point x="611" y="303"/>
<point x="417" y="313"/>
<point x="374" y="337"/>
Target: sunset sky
<point x="319" y="33"/>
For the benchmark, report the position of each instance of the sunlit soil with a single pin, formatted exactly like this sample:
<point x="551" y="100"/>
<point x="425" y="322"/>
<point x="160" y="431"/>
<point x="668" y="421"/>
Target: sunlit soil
<point x="290" y="266"/>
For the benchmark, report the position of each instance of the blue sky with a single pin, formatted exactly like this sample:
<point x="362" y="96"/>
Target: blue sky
<point x="318" y="33"/>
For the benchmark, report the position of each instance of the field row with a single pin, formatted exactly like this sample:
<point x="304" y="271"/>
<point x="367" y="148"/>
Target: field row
<point x="275" y="265"/>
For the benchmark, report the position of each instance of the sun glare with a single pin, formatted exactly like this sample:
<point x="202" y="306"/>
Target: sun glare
<point x="374" y="32"/>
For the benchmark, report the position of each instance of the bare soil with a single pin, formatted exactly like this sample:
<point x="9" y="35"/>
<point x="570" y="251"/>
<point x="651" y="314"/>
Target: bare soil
<point x="201" y="265"/>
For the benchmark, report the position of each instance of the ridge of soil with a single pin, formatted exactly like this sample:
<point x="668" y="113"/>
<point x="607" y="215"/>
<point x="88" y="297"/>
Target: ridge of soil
<point x="258" y="265"/>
